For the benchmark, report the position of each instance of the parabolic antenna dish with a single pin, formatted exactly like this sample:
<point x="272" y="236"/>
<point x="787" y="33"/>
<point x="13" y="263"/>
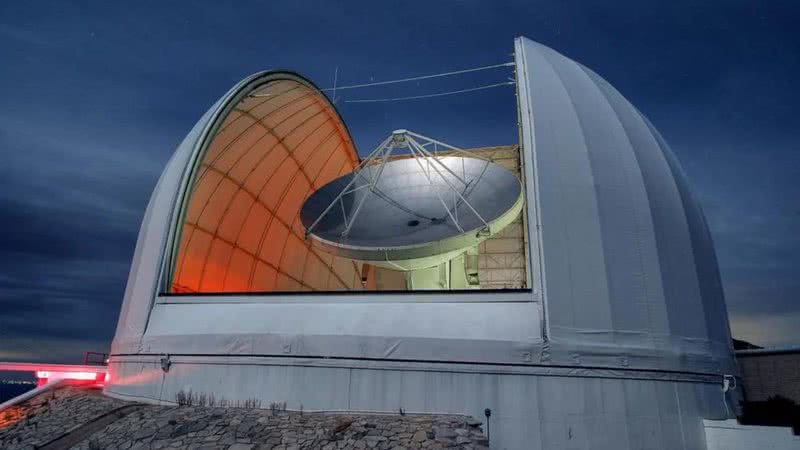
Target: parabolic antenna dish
<point x="412" y="212"/>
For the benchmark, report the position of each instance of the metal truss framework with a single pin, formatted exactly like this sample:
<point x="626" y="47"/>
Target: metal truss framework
<point x="429" y="162"/>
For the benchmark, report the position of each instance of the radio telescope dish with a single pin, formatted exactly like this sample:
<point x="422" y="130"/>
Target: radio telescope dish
<point x="415" y="211"/>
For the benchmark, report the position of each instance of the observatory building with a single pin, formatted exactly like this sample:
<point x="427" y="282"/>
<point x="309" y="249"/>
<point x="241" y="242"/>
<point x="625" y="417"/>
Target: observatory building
<point x="567" y="284"/>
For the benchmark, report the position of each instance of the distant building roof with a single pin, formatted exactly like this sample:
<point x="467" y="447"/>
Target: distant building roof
<point x="743" y="345"/>
<point x="768" y="351"/>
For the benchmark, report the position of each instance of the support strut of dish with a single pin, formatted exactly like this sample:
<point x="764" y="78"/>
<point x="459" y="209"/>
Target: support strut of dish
<point x="429" y="162"/>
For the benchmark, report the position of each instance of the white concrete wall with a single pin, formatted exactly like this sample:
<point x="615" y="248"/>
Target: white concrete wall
<point x="730" y="435"/>
<point x="529" y="412"/>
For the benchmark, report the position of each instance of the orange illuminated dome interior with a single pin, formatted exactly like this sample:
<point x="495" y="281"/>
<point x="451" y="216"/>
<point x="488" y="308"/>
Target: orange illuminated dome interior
<point x="241" y="230"/>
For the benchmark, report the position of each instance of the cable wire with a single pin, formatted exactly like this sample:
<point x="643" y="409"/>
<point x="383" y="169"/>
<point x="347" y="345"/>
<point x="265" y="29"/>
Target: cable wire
<point x="438" y="94"/>
<point x="423" y="77"/>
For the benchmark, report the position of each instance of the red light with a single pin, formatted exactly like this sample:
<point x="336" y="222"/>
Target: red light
<point x="83" y="376"/>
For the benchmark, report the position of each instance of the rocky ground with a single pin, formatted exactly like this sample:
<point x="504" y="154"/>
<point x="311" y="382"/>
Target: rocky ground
<point x="81" y="419"/>
<point x="50" y="415"/>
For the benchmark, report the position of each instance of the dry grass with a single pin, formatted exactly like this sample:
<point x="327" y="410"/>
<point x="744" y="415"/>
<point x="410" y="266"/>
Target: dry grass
<point x="189" y="398"/>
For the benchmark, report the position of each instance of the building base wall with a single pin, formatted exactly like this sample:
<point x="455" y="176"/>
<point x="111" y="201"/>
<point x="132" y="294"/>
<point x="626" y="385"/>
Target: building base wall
<point x="730" y="435"/>
<point x="528" y="411"/>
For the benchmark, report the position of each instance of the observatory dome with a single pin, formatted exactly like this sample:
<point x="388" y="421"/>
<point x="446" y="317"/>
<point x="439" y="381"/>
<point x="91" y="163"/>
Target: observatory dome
<point x="615" y="319"/>
<point x="626" y="257"/>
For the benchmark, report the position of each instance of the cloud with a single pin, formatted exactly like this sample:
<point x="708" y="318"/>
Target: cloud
<point x="45" y="349"/>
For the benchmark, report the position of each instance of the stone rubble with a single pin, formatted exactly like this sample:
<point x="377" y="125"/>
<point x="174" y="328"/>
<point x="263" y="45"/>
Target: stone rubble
<point x="217" y="428"/>
<point x="51" y="414"/>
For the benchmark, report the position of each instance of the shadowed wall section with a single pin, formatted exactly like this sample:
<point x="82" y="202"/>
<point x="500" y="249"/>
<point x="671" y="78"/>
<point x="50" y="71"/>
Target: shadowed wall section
<point x="241" y="231"/>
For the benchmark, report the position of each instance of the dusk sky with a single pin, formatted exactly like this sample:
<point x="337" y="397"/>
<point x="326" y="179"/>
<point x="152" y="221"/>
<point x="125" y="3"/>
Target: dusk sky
<point x="97" y="96"/>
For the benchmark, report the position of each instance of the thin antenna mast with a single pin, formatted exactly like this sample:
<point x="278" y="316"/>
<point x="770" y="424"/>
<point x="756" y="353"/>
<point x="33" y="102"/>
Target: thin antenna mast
<point x="335" y="78"/>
